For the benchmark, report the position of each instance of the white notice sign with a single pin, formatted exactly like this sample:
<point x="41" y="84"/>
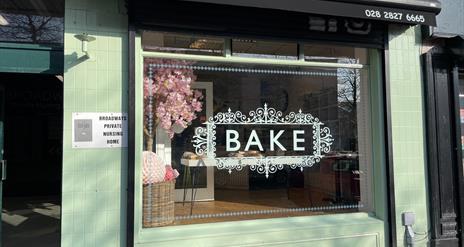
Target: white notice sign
<point x="99" y="129"/>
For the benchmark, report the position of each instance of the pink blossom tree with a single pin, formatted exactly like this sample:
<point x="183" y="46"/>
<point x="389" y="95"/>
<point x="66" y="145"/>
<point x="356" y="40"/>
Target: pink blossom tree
<point x="169" y="99"/>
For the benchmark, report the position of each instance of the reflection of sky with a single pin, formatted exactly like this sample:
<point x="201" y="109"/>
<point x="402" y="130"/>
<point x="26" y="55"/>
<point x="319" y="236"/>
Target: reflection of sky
<point x="31" y="28"/>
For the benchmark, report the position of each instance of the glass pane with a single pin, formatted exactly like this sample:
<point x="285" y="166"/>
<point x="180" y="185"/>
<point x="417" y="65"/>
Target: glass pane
<point x="461" y="110"/>
<point x="21" y="21"/>
<point x="186" y="44"/>
<point x="183" y="144"/>
<point x="335" y="54"/>
<point x="252" y="142"/>
<point x="264" y="49"/>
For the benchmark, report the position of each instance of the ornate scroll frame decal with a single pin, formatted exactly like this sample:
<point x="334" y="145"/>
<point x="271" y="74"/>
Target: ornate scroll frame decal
<point x="204" y="140"/>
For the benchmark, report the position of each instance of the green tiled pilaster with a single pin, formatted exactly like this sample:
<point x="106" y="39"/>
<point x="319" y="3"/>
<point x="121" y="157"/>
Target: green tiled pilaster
<point x="407" y="119"/>
<point x="94" y="186"/>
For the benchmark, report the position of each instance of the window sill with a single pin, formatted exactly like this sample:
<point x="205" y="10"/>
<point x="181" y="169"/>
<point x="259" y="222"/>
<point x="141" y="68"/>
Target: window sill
<point x="277" y="230"/>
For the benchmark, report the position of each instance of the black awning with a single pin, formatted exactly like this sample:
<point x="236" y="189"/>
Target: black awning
<point x="400" y="11"/>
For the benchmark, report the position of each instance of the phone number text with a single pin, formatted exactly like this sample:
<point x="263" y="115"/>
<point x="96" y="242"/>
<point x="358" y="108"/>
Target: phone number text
<point x="418" y="18"/>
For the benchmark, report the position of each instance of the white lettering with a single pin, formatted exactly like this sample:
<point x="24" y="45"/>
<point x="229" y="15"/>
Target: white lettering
<point x="297" y="140"/>
<point x="253" y="140"/>
<point x="274" y="140"/>
<point x="230" y="139"/>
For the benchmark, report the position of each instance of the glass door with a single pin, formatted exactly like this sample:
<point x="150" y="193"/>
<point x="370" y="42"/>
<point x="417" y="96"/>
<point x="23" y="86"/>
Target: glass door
<point x="2" y="162"/>
<point x="458" y="79"/>
<point x="461" y="111"/>
<point x="196" y="181"/>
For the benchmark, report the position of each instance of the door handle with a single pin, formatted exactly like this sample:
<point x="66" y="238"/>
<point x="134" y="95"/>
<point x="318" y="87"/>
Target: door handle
<point x="3" y="169"/>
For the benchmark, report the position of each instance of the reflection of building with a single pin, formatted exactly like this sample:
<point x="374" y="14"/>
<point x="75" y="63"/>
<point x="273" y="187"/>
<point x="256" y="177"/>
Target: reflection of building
<point x="338" y="116"/>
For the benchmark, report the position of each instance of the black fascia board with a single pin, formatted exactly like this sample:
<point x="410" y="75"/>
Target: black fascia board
<point x="410" y="12"/>
<point x="433" y="6"/>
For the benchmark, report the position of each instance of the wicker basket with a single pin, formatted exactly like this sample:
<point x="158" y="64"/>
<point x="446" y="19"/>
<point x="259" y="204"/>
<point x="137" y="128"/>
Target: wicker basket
<point x="158" y="204"/>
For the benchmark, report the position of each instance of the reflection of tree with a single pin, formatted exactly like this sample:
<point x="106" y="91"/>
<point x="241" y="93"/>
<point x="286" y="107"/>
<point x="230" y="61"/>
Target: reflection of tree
<point x="348" y="87"/>
<point x="32" y="28"/>
<point x="348" y="96"/>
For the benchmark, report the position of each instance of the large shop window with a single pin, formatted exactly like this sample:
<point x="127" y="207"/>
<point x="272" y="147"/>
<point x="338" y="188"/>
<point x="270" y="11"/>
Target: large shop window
<point x="240" y="141"/>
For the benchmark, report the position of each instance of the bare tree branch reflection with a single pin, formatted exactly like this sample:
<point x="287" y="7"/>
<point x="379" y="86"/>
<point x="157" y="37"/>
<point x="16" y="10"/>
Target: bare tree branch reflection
<point x="348" y="91"/>
<point x="32" y="28"/>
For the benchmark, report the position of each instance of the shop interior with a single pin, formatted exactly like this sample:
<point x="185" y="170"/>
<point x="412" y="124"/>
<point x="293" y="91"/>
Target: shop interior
<point x="335" y="96"/>
<point x="248" y="194"/>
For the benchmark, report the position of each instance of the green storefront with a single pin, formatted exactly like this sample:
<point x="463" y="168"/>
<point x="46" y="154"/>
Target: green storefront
<point x="243" y="123"/>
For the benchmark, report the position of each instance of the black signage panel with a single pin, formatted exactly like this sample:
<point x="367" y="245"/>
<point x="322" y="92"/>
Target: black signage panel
<point x="393" y="15"/>
<point x="336" y="8"/>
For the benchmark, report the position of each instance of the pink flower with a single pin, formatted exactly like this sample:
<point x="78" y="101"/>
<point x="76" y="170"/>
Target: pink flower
<point x="172" y="95"/>
<point x="171" y="174"/>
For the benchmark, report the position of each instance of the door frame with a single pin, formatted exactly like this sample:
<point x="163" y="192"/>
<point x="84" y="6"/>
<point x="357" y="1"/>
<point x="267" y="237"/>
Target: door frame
<point x="201" y="194"/>
<point x="444" y="158"/>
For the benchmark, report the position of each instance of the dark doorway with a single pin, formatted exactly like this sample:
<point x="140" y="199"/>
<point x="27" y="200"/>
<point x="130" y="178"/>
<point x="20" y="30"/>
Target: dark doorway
<point x="33" y="149"/>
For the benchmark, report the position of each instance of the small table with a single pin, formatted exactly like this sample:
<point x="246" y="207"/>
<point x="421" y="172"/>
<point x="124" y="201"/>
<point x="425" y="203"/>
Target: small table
<point x="195" y="164"/>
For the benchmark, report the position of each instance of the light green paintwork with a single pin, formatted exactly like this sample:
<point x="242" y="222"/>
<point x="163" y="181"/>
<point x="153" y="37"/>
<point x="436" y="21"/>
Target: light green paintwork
<point x="359" y="229"/>
<point x="407" y="117"/>
<point x="94" y="180"/>
<point x="378" y="139"/>
<point x="247" y="60"/>
<point x="317" y="230"/>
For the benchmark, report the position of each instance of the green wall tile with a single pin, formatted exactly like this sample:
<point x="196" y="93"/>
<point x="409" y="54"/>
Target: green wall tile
<point x="407" y="116"/>
<point x="93" y="191"/>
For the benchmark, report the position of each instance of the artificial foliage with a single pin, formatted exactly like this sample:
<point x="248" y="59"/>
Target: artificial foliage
<point x="169" y="100"/>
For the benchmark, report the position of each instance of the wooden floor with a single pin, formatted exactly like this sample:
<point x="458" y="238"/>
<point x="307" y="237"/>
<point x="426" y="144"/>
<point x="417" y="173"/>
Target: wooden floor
<point x="235" y="203"/>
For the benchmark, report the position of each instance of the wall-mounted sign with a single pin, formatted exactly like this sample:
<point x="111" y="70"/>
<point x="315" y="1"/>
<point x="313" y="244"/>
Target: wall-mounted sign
<point x="99" y="130"/>
<point x="305" y="150"/>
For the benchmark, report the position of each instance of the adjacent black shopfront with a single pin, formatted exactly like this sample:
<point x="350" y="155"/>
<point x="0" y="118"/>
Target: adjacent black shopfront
<point x="443" y="78"/>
